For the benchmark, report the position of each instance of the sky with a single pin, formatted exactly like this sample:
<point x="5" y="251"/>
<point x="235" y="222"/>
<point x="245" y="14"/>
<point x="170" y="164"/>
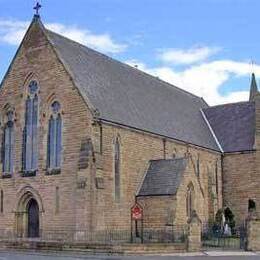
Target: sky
<point x="207" y="47"/>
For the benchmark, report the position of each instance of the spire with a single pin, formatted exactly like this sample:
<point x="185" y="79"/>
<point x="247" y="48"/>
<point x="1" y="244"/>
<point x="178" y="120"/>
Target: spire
<point x="253" y="88"/>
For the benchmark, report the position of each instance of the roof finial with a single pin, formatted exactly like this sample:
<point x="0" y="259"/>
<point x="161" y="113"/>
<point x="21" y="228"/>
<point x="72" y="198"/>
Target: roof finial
<point x="37" y="7"/>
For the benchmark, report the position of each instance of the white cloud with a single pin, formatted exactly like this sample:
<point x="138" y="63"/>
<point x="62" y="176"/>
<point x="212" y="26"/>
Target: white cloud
<point x="190" y="56"/>
<point x="12" y="32"/>
<point x="101" y="42"/>
<point x="205" y="79"/>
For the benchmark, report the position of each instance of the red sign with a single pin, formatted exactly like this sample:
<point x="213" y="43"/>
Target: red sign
<point x="137" y="212"/>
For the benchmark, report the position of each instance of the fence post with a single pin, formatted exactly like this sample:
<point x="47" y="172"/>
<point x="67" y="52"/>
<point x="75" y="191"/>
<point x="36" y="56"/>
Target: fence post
<point x="194" y="233"/>
<point x="253" y="233"/>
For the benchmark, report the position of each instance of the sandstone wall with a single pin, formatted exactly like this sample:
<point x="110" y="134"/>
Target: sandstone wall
<point x="137" y="148"/>
<point x="240" y="183"/>
<point x="36" y="60"/>
<point x="253" y="235"/>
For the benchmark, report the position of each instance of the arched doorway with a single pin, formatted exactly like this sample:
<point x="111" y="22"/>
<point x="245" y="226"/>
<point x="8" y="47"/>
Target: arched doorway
<point x="33" y="218"/>
<point x="28" y="213"/>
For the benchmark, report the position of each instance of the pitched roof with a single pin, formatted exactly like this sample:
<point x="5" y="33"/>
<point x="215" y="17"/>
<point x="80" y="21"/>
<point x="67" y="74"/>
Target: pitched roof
<point x="233" y="125"/>
<point x="163" y="177"/>
<point x="127" y="96"/>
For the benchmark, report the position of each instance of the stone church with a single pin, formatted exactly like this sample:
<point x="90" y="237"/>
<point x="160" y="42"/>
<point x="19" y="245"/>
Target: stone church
<point x="84" y="137"/>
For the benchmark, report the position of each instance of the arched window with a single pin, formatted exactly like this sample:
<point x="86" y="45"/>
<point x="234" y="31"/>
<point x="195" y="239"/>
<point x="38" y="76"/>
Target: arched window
<point x="198" y="167"/>
<point x="54" y="138"/>
<point x="190" y="197"/>
<point x="30" y="153"/>
<point x="8" y="145"/>
<point x="117" y="169"/>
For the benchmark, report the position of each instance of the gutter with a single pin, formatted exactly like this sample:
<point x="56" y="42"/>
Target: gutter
<point x="211" y="130"/>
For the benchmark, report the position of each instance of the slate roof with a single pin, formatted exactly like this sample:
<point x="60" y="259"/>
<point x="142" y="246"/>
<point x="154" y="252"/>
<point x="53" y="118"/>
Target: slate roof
<point x="233" y="125"/>
<point x="163" y="177"/>
<point x="127" y="96"/>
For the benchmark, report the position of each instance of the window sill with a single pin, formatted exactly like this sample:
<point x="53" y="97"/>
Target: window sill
<point x="29" y="173"/>
<point x="7" y="175"/>
<point x="55" y="171"/>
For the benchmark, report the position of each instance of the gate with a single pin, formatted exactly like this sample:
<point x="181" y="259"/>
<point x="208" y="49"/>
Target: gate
<point x="215" y="238"/>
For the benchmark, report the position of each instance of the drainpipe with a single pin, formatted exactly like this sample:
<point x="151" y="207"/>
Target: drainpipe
<point x="164" y="148"/>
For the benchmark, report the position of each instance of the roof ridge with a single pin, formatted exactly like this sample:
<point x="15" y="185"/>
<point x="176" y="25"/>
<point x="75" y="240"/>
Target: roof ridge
<point x="230" y="104"/>
<point x="129" y="66"/>
<point x="211" y="130"/>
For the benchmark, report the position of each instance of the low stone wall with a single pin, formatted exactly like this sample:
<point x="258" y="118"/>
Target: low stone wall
<point x="253" y="235"/>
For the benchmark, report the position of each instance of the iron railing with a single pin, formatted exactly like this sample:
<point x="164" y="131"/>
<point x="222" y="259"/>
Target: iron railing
<point x="169" y="234"/>
<point x="215" y="237"/>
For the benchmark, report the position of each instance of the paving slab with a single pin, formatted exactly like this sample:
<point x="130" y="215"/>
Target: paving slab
<point x="230" y="253"/>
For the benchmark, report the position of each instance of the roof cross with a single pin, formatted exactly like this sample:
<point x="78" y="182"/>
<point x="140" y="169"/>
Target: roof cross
<point x="37" y="8"/>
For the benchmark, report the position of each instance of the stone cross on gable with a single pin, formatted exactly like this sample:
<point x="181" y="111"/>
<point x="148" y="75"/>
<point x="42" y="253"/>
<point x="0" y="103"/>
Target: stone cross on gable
<point x="37" y="8"/>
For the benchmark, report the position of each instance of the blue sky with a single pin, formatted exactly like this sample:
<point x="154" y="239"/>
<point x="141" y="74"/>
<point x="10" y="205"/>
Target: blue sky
<point x="203" y="46"/>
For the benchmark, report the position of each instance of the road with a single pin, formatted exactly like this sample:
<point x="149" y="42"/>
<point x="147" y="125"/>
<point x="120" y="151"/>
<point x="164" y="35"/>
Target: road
<point x="61" y="256"/>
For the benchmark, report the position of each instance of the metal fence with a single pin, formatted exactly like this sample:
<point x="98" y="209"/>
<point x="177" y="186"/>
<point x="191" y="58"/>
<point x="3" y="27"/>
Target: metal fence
<point x="172" y="234"/>
<point x="103" y="237"/>
<point x="167" y="234"/>
<point x="215" y="237"/>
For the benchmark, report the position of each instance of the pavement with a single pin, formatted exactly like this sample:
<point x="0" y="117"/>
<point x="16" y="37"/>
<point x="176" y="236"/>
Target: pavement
<point x="214" y="255"/>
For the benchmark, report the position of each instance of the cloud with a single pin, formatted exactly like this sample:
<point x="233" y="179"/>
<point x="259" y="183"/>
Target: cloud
<point x="101" y="42"/>
<point x="12" y="32"/>
<point x="205" y="80"/>
<point x="199" y="75"/>
<point x="190" y="56"/>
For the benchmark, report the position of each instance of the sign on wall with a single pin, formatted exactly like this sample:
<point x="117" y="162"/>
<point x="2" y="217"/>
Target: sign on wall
<point x="137" y="212"/>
